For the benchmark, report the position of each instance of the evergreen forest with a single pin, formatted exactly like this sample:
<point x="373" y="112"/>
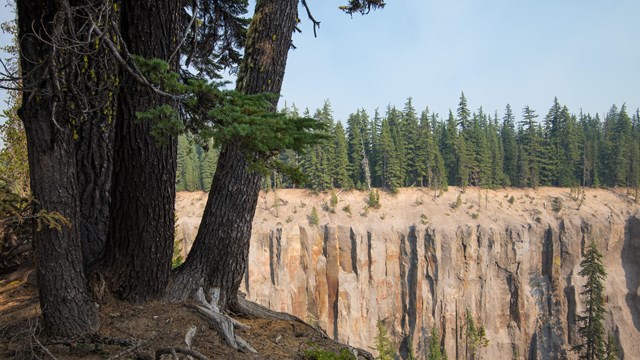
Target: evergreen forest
<point x="403" y="148"/>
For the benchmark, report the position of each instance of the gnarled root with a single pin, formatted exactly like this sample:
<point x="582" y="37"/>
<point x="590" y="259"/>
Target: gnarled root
<point x="223" y="324"/>
<point x="253" y="310"/>
<point x="173" y="351"/>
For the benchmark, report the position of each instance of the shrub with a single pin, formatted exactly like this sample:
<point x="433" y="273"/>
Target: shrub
<point x="334" y="200"/>
<point x="556" y="204"/>
<point x="374" y="199"/>
<point x="457" y="203"/>
<point x="321" y="354"/>
<point x="512" y="200"/>
<point x="347" y="209"/>
<point x="313" y="218"/>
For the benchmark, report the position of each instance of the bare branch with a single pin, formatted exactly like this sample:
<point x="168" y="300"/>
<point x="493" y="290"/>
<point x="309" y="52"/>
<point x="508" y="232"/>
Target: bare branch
<point x="186" y="31"/>
<point x="132" y="69"/>
<point x="316" y="23"/>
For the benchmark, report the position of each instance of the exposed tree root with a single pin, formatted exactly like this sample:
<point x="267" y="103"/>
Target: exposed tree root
<point x="173" y="351"/>
<point x="94" y="339"/>
<point x="222" y="323"/>
<point x="253" y="310"/>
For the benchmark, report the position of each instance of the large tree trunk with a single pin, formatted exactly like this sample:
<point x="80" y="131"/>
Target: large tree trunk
<point x="221" y="248"/>
<point x="141" y="224"/>
<point x="66" y="308"/>
<point x="94" y="145"/>
<point x="94" y="156"/>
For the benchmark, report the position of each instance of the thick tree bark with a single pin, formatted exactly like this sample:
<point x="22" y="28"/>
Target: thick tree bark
<point x="94" y="156"/>
<point x="94" y="145"/>
<point x="220" y="251"/>
<point x="141" y="224"/>
<point x="66" y="308"/>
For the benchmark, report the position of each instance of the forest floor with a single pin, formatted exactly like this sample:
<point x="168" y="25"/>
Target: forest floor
<point x="150" y="327"/>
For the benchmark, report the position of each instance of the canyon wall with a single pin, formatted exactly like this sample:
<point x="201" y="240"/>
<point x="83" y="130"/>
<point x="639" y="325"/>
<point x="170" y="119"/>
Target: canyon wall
<point x="509" y="257"/>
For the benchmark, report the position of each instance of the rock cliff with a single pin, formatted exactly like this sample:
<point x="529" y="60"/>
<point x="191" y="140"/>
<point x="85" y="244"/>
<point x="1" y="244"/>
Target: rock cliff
<point x="510" y="257"/>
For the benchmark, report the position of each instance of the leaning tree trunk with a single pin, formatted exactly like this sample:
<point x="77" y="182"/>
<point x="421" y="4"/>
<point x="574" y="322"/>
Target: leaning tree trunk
<point x="141" y="225"/>
<point x="66" y="308"/>
<point x="219" y="254"/>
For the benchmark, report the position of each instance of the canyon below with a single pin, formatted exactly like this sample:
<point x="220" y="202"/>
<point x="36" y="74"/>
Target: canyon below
<point x="510" y="257"/>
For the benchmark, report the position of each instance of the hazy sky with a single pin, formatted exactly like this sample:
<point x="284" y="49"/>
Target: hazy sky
<point x="587" y="53"/>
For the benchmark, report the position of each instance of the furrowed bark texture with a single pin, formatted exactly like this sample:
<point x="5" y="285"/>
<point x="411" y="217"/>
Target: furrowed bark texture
<point x="94" y="147"/>
<point x="141" y="227"/>
<point x="220" y="251"/>
<point x="66" y="308"/>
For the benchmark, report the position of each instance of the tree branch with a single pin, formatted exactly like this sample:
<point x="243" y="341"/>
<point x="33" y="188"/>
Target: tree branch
<point x="316" y="23"/>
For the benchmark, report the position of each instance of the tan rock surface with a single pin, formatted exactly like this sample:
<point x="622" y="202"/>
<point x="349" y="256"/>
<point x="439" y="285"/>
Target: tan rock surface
<point x="420" y="261"/>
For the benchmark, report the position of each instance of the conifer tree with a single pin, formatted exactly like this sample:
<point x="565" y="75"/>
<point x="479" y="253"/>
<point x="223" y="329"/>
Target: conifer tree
<point x="398" y="159"/>
<point x="386" y="156"/>
<point x="480" y="165"/>
<point x="424" y="154"/>
<point x="615" y="152"/>
<point x="612" y="348"/>
<point x="634" y="157"/>
<point x="450" y="150"/>
<point x="340" y="165"/>
<point x="468" y="166"/>
<point x="411" y="129"/>
<point x="208" y="163"/>
<point x="384" y="346"/>
<point x="356" y="135"/>
<point x="497" y="154"/>
<point x="375" y="133"/>
<point x="510" y="146"/>
<point x="590" y="326"/>
<point x="531" y="149"/>
<point x="553" y="125"/>
<point x="592" y="142"/>
<point x="433" y="350"/>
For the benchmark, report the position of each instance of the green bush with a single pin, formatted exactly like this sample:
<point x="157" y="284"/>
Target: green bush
<point x="321" y="354"/>
<point x="556" y="204"/>
<point x="384" y="345"/>
<point x="458" y="202"/>
<point x="334" y="200"/>
<point x="374" y="199"/>
<point x="313" y="218"/>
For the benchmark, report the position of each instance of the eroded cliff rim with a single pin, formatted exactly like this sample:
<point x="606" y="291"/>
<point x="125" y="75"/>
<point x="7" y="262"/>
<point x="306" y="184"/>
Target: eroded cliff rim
<point x="511" y="256"/>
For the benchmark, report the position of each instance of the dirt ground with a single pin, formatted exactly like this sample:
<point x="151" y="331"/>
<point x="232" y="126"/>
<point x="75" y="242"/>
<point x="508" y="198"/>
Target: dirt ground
<point x="154" y="326"/>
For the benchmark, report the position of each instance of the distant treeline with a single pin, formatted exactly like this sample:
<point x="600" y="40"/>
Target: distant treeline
<point x="403" y="148"/>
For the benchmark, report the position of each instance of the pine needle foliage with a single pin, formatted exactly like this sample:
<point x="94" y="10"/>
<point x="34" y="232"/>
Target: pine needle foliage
<point x="16" y="210"/>
<point x="590" y="323"/>
<point x="475" y="336"/>
<point x="249" y="121"/>
<point x="384" y="345"/>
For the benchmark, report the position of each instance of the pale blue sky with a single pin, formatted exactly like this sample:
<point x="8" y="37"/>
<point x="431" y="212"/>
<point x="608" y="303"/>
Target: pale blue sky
<point x="586" y="53"/>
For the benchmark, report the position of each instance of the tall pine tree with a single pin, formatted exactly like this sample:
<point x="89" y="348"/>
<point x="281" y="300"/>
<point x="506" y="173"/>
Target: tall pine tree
<point x="590" y="325"/>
